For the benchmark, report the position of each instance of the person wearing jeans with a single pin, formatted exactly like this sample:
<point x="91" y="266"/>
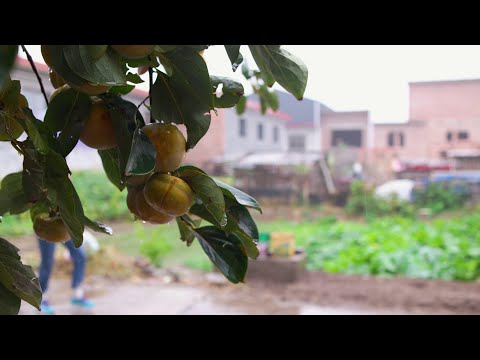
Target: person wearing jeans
<point x="79" y="259"/>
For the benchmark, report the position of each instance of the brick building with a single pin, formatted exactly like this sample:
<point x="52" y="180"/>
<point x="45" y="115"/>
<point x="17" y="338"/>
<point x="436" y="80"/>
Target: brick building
<point x="443" y="115"/>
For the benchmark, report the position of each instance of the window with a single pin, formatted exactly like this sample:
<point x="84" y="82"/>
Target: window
<point x="275" y="134"/>
<point x="449" y="136"/>
<point x="401" y="139"/>
<point x="462" y="135"/>
<point x="347" y="138"/>
<point x="296" y="143"/>
<point x="242" y="127"/>
<point x="260" y="132"/>
<point x="391" y="139"/>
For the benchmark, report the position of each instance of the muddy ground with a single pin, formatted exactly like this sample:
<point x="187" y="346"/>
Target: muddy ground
<point x="183" y="291"/>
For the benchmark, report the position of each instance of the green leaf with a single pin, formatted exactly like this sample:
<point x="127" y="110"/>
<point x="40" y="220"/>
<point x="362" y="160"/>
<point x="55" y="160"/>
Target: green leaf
<point x="273" y="100"/>
<point x="166" y="103"/>
<point x="243" y="218"/>
<point x="171" y="104"/>
<point x="263" y="65"/>
<point x="10" y="125"/>
<point x="12" y="196"/>
<point x="232" y="91"/>
<point x="8" y="55"/>
<point x="167" y="65"/>
<point x="9" y="303"/>
<point x="164" y="48"/>
<point x="34" y="128"/>
<point x="18" y="278"/>
<point x="238" y="195"/>
<point x="32" y="179"/>
<point x="246" y="71"/>
<point x="249" y="245"/>
<point x="241" y="105"/>
<point x="208" y="191"/>
<point x="124" y="116"/>
<point x="96" y="226"/>
<point x="190" y="74"/>
<point x="263" y="105"/>
<point x="111" y="166"/>
<point x="224" y="251"/>
<point x="288" y="70"/>
<point x="143" y="155"/>
<point x="186" y="233"/>
<point x="197" y="123"/>
<point x="134" y="78"/>
<point x="146" y="61"/>
<point x="42" y="206"/>
<point x="186" y="168"/>
<point x="95" y="52"/>
<point x="234" y="55"/>
<point x="232" y="227"/>
<point x="61" y="66"/>
<point x="268" y="97"/>
<point x="10" y="95"/>
<point x="107" y="70"/>
<point x="62" y="193"/>
<point x="67" y="112"/>
<point x="121" y="90"/>
<point x="197" y="48"/>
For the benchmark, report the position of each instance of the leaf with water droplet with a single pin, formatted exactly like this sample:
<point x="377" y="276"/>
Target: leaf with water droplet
<point x="224" y="221"/>
<point x="98" y="227"/>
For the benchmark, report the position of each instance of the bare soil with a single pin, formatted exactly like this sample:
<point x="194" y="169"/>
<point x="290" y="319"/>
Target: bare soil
<point x="316" y="294"/>
<point x="370" y="294"/>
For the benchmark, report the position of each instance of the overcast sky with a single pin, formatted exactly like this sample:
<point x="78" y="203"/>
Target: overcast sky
<point x="364" y="77"/>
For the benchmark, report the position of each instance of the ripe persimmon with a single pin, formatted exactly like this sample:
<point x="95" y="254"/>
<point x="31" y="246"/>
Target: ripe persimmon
<point x="138" y="206"/>
<point x="98" y="131"/>
<point x="49" y="228"/>
<point x="170" y="145"/>
<point x="168" y="194"/>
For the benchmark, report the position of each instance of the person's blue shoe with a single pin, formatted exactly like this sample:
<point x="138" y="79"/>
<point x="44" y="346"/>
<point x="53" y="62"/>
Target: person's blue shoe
<point x="46" y="308"/>
<point x="83" y="302"/>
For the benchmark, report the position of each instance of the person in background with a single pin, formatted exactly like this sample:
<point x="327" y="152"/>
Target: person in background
<point x="79" y="260"/>
<point x="357" y="170"/>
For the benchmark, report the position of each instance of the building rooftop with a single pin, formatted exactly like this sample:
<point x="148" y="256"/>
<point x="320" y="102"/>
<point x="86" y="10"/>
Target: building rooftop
<point x="444" y="82"/>
<point x="301" y="113"/>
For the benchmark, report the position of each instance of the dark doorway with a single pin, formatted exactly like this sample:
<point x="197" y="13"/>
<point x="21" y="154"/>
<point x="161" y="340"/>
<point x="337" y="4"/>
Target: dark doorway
<point x="347" y="137"/>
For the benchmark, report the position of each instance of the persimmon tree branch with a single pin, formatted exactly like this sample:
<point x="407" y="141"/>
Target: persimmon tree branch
<point x="143" y="102"/>
<point x="150" y="82"/>
<point x="34" y="68"/>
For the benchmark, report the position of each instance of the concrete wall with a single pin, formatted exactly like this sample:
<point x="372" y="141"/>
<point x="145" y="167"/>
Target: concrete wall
<point x="312" y="137"/>
<point x="446" y="106"/>
<point x="211" y="145"/>
<point x="415" y="144"/>
<point x="238" y="145"/>
<point x="350" y="120"/>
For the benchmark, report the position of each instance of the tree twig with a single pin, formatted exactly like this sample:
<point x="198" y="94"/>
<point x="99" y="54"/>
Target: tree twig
<point x="150" y="80"/>
<point x="34" y="68"/>
<point x="143" y="102"/>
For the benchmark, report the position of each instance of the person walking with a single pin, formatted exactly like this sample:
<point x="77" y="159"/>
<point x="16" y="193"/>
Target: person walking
<point x="79" y="260"/>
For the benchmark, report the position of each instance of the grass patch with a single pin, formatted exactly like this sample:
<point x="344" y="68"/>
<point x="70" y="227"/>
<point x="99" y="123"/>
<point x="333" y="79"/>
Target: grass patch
<point x="161" y="244"/>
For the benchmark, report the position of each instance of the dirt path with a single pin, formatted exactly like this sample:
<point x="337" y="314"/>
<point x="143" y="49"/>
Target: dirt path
<point x="316" y="294"/>
<point x="156" y="298"/>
